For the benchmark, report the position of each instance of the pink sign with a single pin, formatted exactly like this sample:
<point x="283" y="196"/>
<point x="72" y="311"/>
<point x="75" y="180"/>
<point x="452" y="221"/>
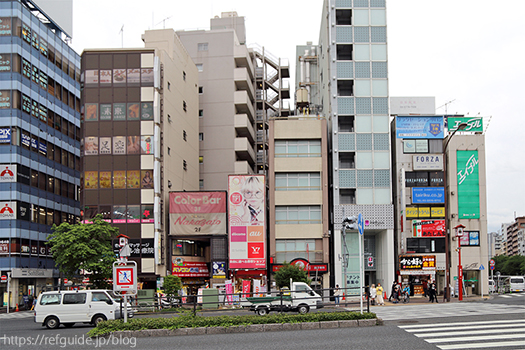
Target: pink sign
<point x="198" y="213"/>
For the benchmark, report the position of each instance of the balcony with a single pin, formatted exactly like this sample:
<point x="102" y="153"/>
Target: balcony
<point x="244" y="127"/>
<point x="242" y="58"/>
<point x="243" y="103"/>
<point x="243" y="81"/>
<point x="244" y="150"/>
<point x="243" y="168"/>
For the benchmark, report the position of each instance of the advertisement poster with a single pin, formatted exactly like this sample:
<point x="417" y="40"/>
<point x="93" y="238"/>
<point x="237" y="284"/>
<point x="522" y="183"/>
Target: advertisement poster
<point x="105" y="76"/>
<point x="91" y="76"/>
<point x="91" y="146"/>
<point x="91" y="180"/>
<point x="105" y="179"/>
<point x="119" y="214"/>
<point x="119" y="111"/>
<point x="133" y="145"/>
<point x="119" y="144"/>
<point x="5" y="135"/>
<point x="134" y="76"/>
<point x="119" y="179"/>
<point x="468" y="184"/>
<point x="246" y="288"/>
<point x="146" y="179"/>
<point x="7" y="210"/>
<point x="424" y="195"/>
<point x="146" y="144"/>
<point x="147" y="213"/>
<point x="414" y="127"/>
<point x="146" y="75"/>
<point x="146" y="112"/>
<point x="229" y="291"/>
<point x="474" y="124"/>
<point x="8" y="173"/>
<point x="105" y="111"/>
<point x="133" y="111"/>
<point x="427" y="162"/>
<point x="119" y="76"/>
<point x="219" y="270"/>
<point x="91" y="112"/>
<point x="417" y="262"/>
<point x="428" y="228"/>
<point x="183" y="268"/>
<point x="105" y="145"/>
<point x="246" y="204"/>
<point x="133" y="214"/>
<point x="197" y="213"/>
<point x="133" y="179"/>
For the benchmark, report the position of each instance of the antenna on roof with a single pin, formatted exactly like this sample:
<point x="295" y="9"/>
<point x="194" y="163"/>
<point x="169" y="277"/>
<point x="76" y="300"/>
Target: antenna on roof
<point x="446" y="106"/>
<point x="122" y="36"/>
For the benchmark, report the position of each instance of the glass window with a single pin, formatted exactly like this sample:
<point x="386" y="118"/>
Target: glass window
<point x="202" y="46"/>
<point x="303" y="214"/>
<point x="298" y="181"/>
<point x="74" y="298"/>
<point x="289" y="249"/>
<point x="99" y="296"/>
<point x="298" y="148"/>
<point x="50" y="299"/>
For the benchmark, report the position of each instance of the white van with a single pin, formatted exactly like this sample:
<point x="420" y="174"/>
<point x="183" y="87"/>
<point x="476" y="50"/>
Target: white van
<point x="492" y="287"/>
<point x="517" y="284"/>
<point x="70" y="307"/>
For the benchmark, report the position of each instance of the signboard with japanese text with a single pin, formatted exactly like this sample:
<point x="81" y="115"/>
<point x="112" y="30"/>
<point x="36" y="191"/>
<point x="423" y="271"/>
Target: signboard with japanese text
<point x="468" y="184"/>
<point x="424" y="195"/>
<point x="412" y="127"/>
<point x="427" y="162"/>
<point x="7" y="210"/>
<point x="8" y="173"/>
<point x="474" y="124"/>
<point x="417" y="262"/>
<point x="428" y="228"/>
<point x="197" y="213"/>
<point x="247" y="230"/>
<point x="183" y="268"/>
<point x="139" y="248"/>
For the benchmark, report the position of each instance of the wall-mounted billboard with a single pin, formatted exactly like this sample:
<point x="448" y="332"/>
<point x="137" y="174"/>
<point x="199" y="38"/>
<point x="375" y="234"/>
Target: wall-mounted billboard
<point x="422" y="195"/>
<point x="247" y="231"/>
<point x="194" y="213"/>
<point x="419" y="127"/>
<point x="468" y="184"/>
<point x="474" y="124"/>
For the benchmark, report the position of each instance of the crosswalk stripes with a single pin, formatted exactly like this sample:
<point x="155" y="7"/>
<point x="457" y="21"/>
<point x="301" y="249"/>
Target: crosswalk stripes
<point x="408" y="312"/>
<point x="512" y="295"/>
<point x="471" y="335"/>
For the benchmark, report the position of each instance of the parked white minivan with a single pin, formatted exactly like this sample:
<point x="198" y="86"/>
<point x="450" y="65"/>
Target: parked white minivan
<point x="70" y="307"/>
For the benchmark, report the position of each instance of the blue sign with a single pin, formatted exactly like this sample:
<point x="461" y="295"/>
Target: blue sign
<point x="360" y="224"/>
<point x="482" y="267"/>
<point x="5" y="135"/>
<point x="424" y="195"/>
<point x="419" y="127"/>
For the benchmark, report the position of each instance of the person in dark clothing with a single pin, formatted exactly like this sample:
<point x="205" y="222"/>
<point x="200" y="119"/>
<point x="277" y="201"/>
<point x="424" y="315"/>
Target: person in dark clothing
<point x="433" y="293"/>
<point x="392" y="291"/>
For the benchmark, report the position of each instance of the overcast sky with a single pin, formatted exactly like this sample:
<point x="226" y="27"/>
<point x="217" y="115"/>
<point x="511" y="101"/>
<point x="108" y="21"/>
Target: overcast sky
<point x="470" y="52"/>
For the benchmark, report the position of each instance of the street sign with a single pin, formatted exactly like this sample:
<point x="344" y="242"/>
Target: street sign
<point x="125" y="277"/>
<point x="482" y="267"/>
<point x="4" y="278"/>
<point x="65" y="280"/>
<point x="360" y="224"/>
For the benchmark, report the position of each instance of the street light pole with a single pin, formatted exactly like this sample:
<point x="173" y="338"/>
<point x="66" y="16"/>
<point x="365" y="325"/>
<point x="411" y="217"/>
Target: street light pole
<point x="459" y="233"/>
<point x="460" y="127"/>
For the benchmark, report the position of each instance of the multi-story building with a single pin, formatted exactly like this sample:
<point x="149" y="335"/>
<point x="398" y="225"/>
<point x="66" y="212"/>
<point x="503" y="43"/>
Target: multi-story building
<point x="353" y="79"/>
<point x="140" y="141"/>
<point x="298" y="196"/>
<point x="515" y="236"/>
<point x="39" y="143"/>
<point x="240" y="88"/>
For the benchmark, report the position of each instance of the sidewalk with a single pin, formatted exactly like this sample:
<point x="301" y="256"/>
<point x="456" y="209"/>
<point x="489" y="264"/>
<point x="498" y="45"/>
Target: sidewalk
<point x="424" y="300"/>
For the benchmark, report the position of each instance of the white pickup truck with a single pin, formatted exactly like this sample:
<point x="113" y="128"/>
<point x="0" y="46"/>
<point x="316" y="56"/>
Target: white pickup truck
<point x="301" y="298"/>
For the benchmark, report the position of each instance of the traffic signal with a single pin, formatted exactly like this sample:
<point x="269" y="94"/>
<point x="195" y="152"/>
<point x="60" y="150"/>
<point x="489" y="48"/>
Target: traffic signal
<point x="350" y="223"/>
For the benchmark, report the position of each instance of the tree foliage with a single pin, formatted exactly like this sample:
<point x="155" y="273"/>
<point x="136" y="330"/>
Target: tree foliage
<point x="510" y="265"/>
<point x="84" y="247"/>
<point x="172" y="285"/>
<point x="287" y="271"/>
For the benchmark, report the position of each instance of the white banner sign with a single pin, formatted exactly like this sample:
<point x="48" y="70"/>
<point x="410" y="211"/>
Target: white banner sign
<point x="428" y="162"/>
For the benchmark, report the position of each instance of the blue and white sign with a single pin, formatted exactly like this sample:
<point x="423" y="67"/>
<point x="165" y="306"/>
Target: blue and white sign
<point x="5" y="135"/>
<point x="360" y="224"/>
<point x="424" y="195"/>
<point x="419" y="127"/>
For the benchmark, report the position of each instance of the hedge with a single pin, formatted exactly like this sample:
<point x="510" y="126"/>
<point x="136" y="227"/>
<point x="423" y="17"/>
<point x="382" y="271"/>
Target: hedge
<point x="187" y="320"/>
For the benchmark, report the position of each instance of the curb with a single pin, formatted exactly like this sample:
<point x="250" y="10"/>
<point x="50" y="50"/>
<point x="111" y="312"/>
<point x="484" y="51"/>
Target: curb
<point x="271" y="327"/>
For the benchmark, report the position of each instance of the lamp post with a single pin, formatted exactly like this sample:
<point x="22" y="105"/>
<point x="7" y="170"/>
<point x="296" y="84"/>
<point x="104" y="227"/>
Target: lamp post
<point x="460" y="127"/>
<point x="459" y="233"/>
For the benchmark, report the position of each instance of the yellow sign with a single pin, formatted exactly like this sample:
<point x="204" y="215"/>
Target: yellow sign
<point x="438" y="212"/>
<point x="424" y="212"/>
<point x="411" y="213"/>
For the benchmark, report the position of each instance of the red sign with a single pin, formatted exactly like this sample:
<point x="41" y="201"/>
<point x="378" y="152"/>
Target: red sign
<point x="65" y="280"/>
<point x="124" y="277"/>
<point x="190" y="269"/>
<point x="305" y="264"/>
<point x="428" y="228"/>
<point x="4" y="278"/>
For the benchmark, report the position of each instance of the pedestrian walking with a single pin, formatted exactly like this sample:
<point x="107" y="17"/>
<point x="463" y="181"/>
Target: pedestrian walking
<point x="392" y="291"/>
<point x="425" y="288"/>
<point x="433" y="293"/>
<point x="373" y="294"/>
<point x="406" y="294"/>
<point x="337" y="293"/>
<point x="379" y="291"/>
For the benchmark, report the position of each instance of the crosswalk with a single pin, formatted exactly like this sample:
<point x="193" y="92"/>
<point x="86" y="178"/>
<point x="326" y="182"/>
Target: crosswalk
<point x="471" y="335"/>
<point x="512" y="295"/>
<point x="15" y="315"/>
<point x="408" y="312"/>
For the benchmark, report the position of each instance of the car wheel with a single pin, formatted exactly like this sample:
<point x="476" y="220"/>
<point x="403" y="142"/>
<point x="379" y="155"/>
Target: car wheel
<point x="69" y="325"/>
<point x="98" y="318"/>
<point x="262" y="311"/>
<point x="303" y="309"/>
<point x="52" y="322"/>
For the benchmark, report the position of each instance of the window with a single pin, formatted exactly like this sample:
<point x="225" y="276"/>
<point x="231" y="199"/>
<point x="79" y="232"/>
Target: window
<point x="199" y="67"/>
<point x="202" y="47"/>
<point x="184" y="75"/>
<point x="201" y="90"/>
<point x="50" y="299"/>
<point x="346" y="124"/>
<point x="184" y="164"/>
<point x="426" y="245"/>
<point x="344" y="52"/>
<point x="184" y="107"/>
<point x="345" y="87"/>
<point x="298" y="148"/>
<point x="298" y="182"/>
<point x="201" y="184"/>
<point x="201" y="136"/>
<point x="415" y="146"/>
<point x="188" y="248"/>
<point x="169" y="86"/>
<point x="201" y="159"/>
<point x="288" y="249"/>
<point x="347" y="196"/>
<point x="74" y="298"/>
<point x="303" y="214"/>
<point x="201" y="113"/>
<point x="343" y="17"/>
<point x="169" y="151"/>
<point x="99" y="296"/>
<point x="184" y="135"/>
<point x="346" y="160"/>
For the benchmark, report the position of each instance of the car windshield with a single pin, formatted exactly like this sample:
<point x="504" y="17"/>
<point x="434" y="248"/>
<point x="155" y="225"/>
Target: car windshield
<point x="115" y="297"/>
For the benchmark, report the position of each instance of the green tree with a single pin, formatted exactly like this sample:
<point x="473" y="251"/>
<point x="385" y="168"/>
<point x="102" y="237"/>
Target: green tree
<point x="172" y="285"/>
<point x="287" y="271"/>
<point x="510" y="265"/>
<point x="84" y="247"/>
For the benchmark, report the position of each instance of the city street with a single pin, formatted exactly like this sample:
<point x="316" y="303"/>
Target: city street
<point x="497" y="322"/>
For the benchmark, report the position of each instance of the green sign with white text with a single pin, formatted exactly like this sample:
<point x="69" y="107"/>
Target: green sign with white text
<point x="468" y="184"/>
<point x="474" y="124"/>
